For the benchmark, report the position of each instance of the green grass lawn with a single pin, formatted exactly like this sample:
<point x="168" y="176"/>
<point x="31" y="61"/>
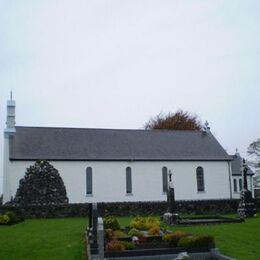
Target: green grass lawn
<point x="43" y="239"/>
<point x="63" y="238"/>
<point x="240" y="240"/>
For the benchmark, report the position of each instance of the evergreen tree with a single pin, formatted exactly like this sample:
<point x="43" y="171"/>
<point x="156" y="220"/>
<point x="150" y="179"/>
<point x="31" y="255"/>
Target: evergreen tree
<point x="41" y="185"/>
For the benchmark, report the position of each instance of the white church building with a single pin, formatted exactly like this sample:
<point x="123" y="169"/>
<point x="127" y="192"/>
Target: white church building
<point x="117" y="165"/>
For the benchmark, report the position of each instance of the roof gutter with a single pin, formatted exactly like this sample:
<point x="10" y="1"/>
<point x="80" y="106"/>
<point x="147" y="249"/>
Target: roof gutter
<point x="120" y="160"/>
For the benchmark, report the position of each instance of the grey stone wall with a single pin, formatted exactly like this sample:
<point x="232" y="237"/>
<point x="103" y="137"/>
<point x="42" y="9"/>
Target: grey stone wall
<point x="126" y="208"/>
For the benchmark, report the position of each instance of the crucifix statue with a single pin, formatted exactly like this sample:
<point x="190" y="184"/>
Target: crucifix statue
<point x="170" y="194"/>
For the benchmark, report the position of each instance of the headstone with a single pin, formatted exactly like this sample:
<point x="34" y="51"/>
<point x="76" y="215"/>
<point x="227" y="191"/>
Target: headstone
<point x="93" y="227"/>
<point x="171" y="200"/>
<point x="90" y="216"/>
<point x="246" y="207"/>
<point x="100" y="238"/>
<point x="95" y="223"/>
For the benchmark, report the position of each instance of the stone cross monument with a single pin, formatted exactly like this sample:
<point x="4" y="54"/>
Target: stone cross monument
<point x="170" y="194"/>
<point x="246" y="207"/>
<point x="171" y="217"/>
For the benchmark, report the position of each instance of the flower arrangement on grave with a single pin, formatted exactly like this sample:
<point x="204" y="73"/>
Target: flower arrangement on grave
<point x="146" y="232"/>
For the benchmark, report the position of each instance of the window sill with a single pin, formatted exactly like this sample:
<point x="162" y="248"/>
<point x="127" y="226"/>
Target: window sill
<point x="89" y="195"/>
<point x="201" y="191"/>
<point x="129" y="194"/>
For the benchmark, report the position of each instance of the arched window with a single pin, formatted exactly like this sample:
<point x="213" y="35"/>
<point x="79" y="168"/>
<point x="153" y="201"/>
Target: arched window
<point x="240" y="184"/>
<point x="200" y="179"/>
<point x="89" y="182"/>
<point x="128" y="180"/>
<point x="235" y="185"/>
<point x="164" y="179"/>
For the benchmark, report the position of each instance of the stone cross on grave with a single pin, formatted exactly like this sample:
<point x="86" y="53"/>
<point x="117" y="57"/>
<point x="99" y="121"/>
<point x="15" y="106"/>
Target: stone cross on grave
<point x="170" y="194"/>
<point x="246" y="207"/>
<point x="171" y="217"/>
<point x="244" y="170"/>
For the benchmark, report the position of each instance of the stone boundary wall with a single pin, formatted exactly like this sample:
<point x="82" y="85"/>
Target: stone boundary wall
<point x="127" y="208"/>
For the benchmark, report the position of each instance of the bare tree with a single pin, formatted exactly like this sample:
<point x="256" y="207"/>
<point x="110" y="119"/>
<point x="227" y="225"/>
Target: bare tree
<point x="253" y="152"/>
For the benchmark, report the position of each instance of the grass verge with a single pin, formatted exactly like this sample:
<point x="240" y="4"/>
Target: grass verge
<point x="43" y="239"/>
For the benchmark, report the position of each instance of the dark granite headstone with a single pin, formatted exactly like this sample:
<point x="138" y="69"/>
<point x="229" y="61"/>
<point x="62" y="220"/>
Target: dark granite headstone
<point x="171" y="200"/>
<point x="92" y="229"/>
<point x="95" y="222"/>
<point x="90" y="215"/>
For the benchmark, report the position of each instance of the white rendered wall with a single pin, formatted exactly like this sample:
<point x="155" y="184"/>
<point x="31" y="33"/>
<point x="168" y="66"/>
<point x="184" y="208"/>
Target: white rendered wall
<point x="6" y="172"/>
<point x="109" y="180"/>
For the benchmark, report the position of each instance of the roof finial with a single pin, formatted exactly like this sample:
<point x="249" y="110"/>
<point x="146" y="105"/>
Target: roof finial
<point x="206" y="128"/>
<point x="11" y="95"/>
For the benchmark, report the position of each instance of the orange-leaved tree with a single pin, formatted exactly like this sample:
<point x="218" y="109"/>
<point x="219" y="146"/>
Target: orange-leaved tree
<point x="180" y="120"/>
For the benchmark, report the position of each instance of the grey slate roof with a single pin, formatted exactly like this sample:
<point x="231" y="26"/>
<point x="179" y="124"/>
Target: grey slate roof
<point x="236" y="165"/>
<point x="31" y="143"/>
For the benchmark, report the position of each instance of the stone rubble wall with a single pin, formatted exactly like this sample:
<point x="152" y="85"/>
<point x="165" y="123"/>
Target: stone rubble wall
<point x="126" y="208"/>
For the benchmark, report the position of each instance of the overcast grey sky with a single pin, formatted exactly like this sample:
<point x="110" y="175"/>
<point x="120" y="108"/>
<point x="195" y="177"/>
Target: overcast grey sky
<point x="114" y="63"/>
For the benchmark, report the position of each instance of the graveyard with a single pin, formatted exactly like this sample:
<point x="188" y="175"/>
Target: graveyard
<point x="168" y="236"/>
<point x="63" y="238"/>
